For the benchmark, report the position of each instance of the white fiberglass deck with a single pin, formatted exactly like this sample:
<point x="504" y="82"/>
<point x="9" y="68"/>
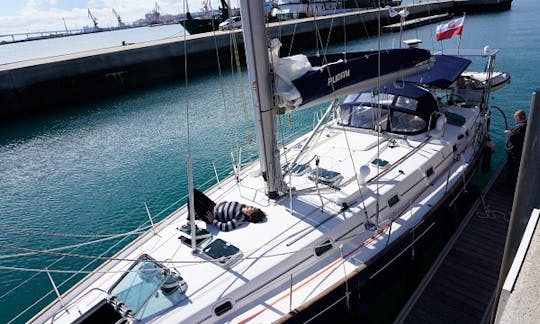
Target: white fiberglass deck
<point x="279" y="269"/>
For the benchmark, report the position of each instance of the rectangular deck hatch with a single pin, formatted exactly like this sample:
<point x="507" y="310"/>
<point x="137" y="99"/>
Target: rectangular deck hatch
<point x="222" y="251"/>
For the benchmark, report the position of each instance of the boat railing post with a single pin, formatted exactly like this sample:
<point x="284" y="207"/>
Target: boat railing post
<point x="150" y="217"/>
<point x="290" y="293"/>
<point x="525" y="196"/>
<point x="191" y="206"/>
<point x="215" y="172"/>
<point x="56" y="290"/>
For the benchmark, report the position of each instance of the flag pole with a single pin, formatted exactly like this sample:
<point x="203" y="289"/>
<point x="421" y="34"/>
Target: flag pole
<point x="461" y="33"/>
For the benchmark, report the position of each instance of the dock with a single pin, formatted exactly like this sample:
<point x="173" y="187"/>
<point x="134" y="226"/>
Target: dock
<point x="34" y="87"/>
<point x="461" y="284"/>
<point x="412" y="23"/>
<point x="488" y="270"/>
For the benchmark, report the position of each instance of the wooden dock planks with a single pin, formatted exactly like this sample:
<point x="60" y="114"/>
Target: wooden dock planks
<point x="461" y="285"/>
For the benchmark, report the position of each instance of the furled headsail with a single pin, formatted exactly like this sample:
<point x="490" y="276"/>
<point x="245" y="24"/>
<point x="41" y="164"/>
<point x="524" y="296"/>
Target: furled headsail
<point x="303" y="81"/>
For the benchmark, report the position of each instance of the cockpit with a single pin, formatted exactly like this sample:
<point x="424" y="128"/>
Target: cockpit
<point x="397" y="108"/>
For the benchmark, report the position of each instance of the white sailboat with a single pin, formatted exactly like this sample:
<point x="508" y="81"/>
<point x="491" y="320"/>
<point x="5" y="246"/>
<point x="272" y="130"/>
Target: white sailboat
<point x="362" y="187"/>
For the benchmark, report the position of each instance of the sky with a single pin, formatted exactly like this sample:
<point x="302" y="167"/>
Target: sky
<point x="22" y="16"/>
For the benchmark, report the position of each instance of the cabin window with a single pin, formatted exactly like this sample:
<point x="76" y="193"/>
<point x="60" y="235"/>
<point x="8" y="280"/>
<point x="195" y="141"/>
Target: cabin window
<point x="406" y="103"/>
<point x="223" y="308"/>
<point x="323" y="248"/>
<point x="429" y="172"/>
<point x="392" y="201"/>
<point x="406" y="123"/>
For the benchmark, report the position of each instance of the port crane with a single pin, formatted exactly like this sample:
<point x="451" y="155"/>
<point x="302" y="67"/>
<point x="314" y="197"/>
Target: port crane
<point x="156" y="13"/>
<point x="93" y="18"/>
<point x="120" y="23"/>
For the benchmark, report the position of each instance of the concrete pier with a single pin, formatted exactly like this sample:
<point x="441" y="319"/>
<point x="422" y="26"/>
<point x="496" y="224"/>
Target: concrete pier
<point x="37" y="86"/>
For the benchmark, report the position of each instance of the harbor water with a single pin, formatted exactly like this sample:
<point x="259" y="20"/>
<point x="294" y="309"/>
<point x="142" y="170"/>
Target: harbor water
<point x="72" y="183"/>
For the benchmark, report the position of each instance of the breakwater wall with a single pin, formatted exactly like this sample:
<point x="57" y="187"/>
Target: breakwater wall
<point x="38" y="86"/>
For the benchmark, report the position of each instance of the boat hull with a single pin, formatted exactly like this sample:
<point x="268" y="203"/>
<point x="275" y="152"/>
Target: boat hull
<point x="392" y="275"/>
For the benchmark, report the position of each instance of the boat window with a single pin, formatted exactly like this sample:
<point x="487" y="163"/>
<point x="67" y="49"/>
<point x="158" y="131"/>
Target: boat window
<point x="406" y="103"/>
<point x="392" y="201"/>
<point x="223" y="308"/>
<point x="406" y="123"/>
<point x="429" y="172"/>
<point x="363" y="116"/>
<point x="146" y="288"/>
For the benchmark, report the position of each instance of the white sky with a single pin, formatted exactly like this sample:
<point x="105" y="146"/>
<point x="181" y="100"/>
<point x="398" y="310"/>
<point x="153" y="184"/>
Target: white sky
<point x="20" y="16"/>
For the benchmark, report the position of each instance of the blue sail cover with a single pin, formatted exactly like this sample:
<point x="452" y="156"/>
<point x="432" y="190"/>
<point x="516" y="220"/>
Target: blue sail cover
<point x="338" y="71"/>
<point x="445" y="72"/>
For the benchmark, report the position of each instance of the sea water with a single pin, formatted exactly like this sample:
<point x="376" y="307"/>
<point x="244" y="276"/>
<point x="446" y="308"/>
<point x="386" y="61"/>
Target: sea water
<point x="75" y="178"/>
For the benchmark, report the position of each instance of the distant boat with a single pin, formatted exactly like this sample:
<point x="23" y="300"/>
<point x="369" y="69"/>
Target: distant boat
<point x="207" y="22"/>
<point x="281" y="10"/>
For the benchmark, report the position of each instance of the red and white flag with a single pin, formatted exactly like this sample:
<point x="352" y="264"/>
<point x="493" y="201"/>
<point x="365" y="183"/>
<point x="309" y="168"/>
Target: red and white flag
<point x="451" y="28"/>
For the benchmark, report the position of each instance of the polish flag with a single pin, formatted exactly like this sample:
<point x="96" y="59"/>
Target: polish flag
<point x="451" y="28"/>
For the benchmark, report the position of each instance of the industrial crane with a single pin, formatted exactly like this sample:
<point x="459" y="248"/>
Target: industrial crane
<point x="156" y="13"/>
<point x="94" y="19"/>
<point x="120" y="23"/>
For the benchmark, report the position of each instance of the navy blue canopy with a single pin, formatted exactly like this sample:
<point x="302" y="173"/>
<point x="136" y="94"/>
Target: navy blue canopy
<point x="426" y="102"/>
<point x="445" y="72"/>
<point x="339" y="71"/>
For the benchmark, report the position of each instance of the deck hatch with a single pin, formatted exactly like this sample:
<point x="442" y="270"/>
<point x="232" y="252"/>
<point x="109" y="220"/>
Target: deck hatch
<point x="324" y="176"/>
<point x="223" y="252"/>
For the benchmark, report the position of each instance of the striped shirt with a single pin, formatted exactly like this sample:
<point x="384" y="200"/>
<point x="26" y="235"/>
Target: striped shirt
<point x="228" y="215"/>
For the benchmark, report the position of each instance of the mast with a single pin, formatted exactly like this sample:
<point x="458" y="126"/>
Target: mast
<point x="258" y="66"/>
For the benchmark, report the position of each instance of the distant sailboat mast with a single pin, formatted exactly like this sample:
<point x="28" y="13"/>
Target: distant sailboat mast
<point x="261" y="90"/>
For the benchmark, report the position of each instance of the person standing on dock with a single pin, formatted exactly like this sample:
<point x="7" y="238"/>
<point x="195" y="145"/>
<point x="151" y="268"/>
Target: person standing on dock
<point x="514" y="145"/>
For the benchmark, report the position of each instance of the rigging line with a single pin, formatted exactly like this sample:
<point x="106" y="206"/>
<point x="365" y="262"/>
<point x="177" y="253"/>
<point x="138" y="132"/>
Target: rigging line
<point x="168" y="261"/>
<point x="101" y="257"/>
<point x="242" y="89"/>
<point x="222" y="88"/>
<point x="186" y="95"/>
<point x="318" y="38"/>
<point x="27" y="280"/>
<point x="39" y="300"/>
<point x="365" y="28"/>
<point x="329" y="34"/>
<point x="292" y="40"/>
<point x="347" y="142"/>
<point x="53" y="249"/>
<point x="379" y="111"/>
<point x="36" y="232"/>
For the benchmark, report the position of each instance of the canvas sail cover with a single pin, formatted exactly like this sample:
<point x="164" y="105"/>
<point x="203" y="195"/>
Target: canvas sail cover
<point x="303" y="81"/>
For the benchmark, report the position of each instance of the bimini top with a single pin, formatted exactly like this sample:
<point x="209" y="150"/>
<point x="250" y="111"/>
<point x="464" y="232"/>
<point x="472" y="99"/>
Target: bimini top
<point x="401" y="108"/>
<point x="445" y="72"/>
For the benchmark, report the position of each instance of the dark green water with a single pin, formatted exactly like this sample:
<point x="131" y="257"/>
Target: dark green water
<point x="90" y="170"/>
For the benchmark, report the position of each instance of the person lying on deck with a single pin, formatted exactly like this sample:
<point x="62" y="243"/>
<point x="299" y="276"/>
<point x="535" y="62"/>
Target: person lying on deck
<point x="226" y="215"/>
